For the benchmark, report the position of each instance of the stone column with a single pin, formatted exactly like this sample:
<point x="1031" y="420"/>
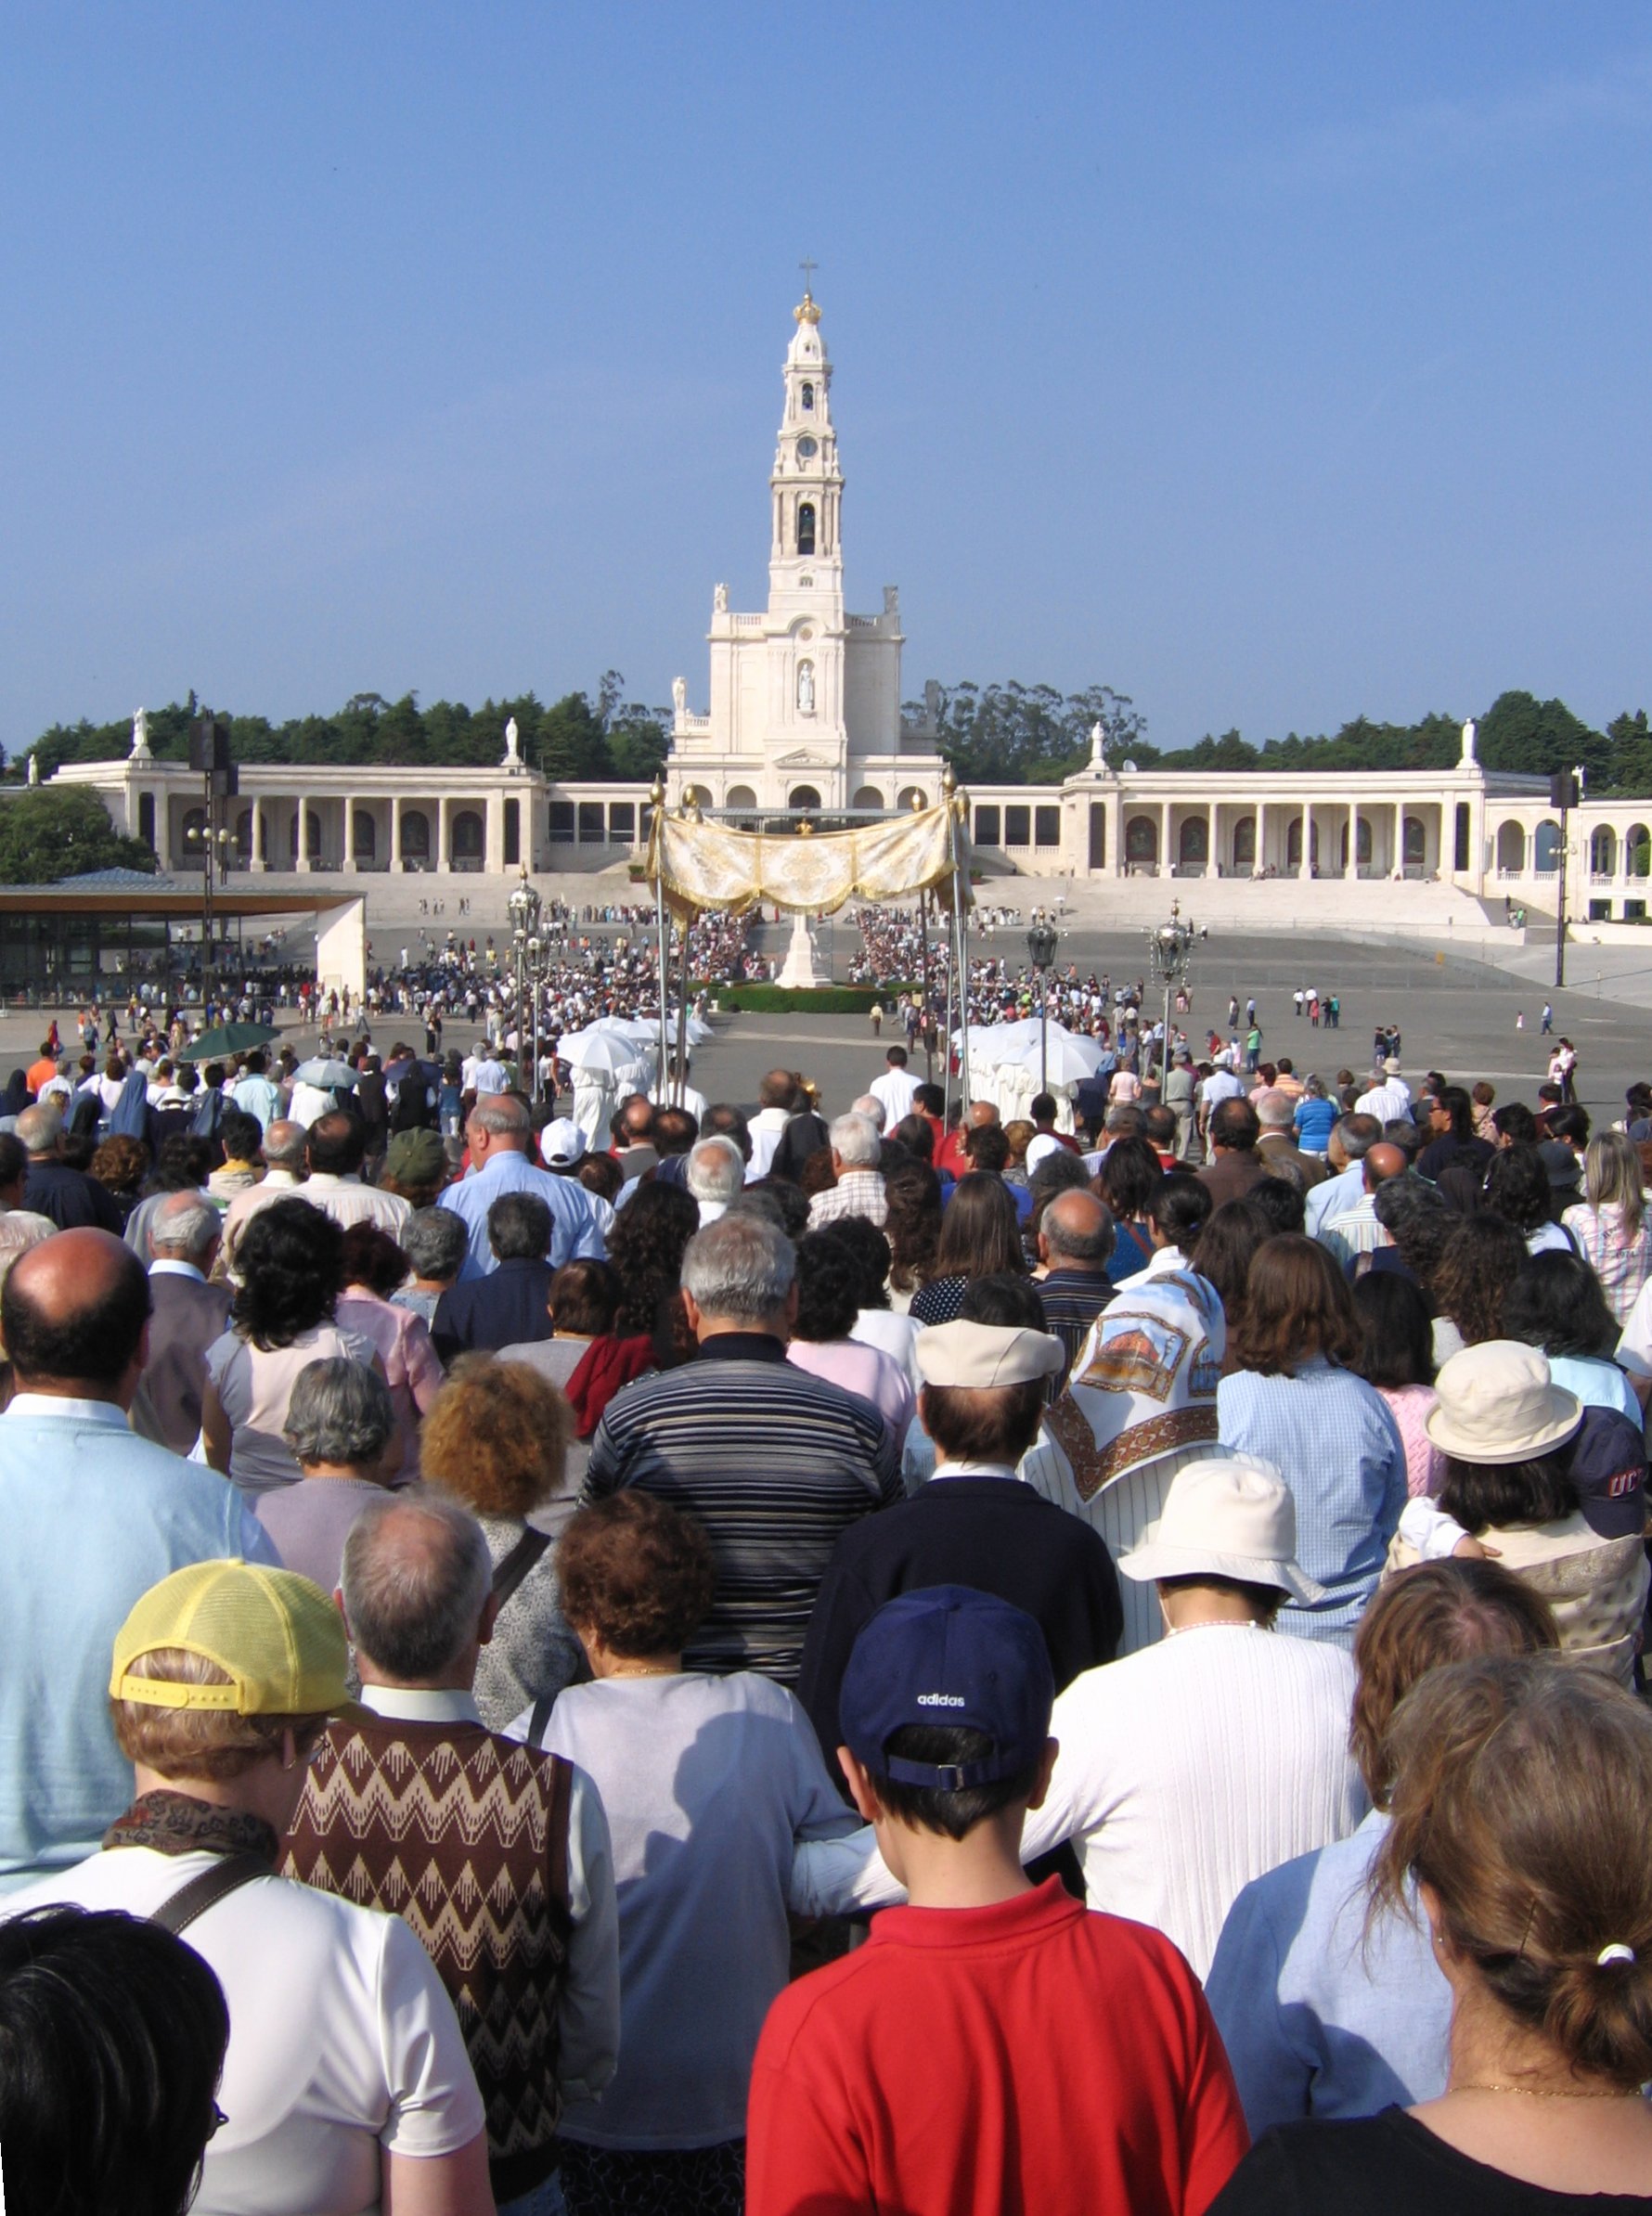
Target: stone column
<point x="443" y="835"/>
<point x="493" y="849"/>
<point x="260" y="858"/>
<point x="1259" y="863"/>
<point x="163" y="830"/>
<point x="1306" y="867"/>
<point x="396" y="835"/>
<point x="1397" y="865"/>
<point x="347" y="844"/>
<point x="1352" y="869"/>
<point x="305" y="859"/>
<point x="1115" y="834"/>
<point x="1167" y="858"/>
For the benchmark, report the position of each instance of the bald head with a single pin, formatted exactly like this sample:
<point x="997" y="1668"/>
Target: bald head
<point x="1382" y="1161"/>
<point x="1075" y="1232"/>
<point x="75" y="1314"/>
<point x="979" y="1112"/>
<point x="777" y="1090"/>
<point x="414" y="1578"/>
<point x="284" y="1146"/>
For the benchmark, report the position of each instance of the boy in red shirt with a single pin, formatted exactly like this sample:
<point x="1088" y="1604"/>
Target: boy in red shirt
<point x="994" y="2048"/>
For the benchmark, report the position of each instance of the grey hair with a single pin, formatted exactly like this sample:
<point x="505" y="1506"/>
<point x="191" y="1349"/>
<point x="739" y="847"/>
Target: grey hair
<point x="416" y="1577"/>
<point x="855" y="1140"/>
<point x="436" y="1243"/>
<point x="501" y="1117"/>
<point x="519" y="1227"/>
<point x="1355" y="1143"/>
<point x="40" y="1127"/>
<point x="1274" y="1108"/>
<point x="185" y="1224"/>
<point x="716" y="1170"/>
<point x="740" y="1267"/>
<point x="338" y="1411"/>
<point x="870" y="1106"/>
<point x="1093" y="1245"/>
<point x="286" y="1152"/>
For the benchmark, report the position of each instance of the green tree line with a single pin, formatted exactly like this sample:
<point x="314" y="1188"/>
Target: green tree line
<point x="571" y="738"/>
<point x="1031" y="734"/>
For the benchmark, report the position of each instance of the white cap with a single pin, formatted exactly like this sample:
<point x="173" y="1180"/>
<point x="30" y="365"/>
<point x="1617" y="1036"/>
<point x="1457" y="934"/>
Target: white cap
<point x="986" y="1354"/>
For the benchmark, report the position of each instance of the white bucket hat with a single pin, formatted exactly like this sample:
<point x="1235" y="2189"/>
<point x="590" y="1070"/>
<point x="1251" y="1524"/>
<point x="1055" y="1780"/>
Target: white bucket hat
<point x="1496" y="1403"/>
<point x="1232" y="1516"/>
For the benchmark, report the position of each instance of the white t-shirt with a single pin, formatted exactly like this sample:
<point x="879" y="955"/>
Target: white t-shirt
<point x="343" y="2041"/>
<point x="896" y="1089"/>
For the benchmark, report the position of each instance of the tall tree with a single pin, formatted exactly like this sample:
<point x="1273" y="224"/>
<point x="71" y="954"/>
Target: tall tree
<point x="46" y="836"/>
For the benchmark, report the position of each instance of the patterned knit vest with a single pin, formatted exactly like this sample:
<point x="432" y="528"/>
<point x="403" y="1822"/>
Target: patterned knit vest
<point x="464" y="1836"/>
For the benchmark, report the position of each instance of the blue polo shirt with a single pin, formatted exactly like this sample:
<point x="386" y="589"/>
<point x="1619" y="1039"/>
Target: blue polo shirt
<point x="577" y="1226"/>
<point x="93" y="1516"/>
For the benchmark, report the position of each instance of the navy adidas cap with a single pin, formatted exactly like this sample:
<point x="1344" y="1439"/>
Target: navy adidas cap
<point x="948" y="1655"/>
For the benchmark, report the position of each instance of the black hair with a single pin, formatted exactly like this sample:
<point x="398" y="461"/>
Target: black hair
<point x="1485" y="1495"/>
<point x="1518" y="1188"/>
<point x="184" y="1163"/>
<point x="519" y="1227"/>
<point x="1129" y="1176"/>
<point x="112" y="2036"/>
<point x="932" y="1808"/>
<point x="828" y="1288"/>
<point x="869" y="1250"/>
<point x="676" y="1130"/>
<point x="1266" y="1600"/>
<point x="1514" y="1122"/>
<point x="1010" y="1303"/>
<point x="1180" y="1208"/>
<point x="930" y="1098"/>
<point x="1556" y="1303"/>
<point x="1396" y="1331"/>
<point x="93" y="1343"/>
<point x="1042" y="1108"/>
<point x="780" y="1203"/>
<point x="291" y="1259"/>
<point x="338" y="1143"/>
<point x="14" y="1158"/>
<point x="1570" y="1122"/>
<point x="243" y="1135"/>
<point x="1281" y="1199"/>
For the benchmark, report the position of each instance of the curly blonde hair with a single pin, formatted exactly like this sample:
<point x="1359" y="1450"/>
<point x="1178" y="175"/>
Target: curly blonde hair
<point x="498" y="1438"/>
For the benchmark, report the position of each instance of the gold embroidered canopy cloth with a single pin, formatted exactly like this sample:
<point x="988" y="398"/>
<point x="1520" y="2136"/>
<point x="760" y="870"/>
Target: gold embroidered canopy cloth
<point x="708" y="865"/>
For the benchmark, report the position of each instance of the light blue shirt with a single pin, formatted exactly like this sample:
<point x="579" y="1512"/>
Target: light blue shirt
<point x="1597" y="1383"/>
<point x="1338" y="1447"/>
<point x="1317" y="2020"/>
<point x="257" y="1096"/>
<point x="1334" y="1196"/>
<point x="93" y="1516"/>
<point x="576" y="1227"/>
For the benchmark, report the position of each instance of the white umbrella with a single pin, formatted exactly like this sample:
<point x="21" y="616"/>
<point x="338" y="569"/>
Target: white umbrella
<point x="323" y="1073"/>
<point x="600" y="1052"/>
<point x="1068" y="1060"/>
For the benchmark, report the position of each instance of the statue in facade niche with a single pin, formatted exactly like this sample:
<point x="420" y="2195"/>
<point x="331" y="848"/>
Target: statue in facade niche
<point x="805" y="687"/>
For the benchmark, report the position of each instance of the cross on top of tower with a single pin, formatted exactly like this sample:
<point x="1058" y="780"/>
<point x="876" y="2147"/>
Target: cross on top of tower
<point x="807" y="313"/>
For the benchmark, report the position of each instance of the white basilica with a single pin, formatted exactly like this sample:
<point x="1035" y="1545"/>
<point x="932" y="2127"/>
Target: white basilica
<point x="805" y="697"/>
<point x="805" y="713"/>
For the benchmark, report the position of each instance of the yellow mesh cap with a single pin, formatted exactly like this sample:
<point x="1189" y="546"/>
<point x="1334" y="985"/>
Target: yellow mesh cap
<point x="275" y="1636"/>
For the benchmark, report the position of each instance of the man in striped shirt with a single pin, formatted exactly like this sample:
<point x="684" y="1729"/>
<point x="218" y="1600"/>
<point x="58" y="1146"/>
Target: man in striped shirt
<point x="773" y="1462"/>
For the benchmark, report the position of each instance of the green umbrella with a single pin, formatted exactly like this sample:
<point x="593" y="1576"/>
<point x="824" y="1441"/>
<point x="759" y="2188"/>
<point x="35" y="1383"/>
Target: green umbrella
<point x="227" y="1038"/>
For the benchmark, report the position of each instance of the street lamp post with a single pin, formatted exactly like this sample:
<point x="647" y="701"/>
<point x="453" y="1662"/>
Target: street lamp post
<point x="525" y="906"/>
<point x="1040" y="948"/>
<point x="1170" y="956"/>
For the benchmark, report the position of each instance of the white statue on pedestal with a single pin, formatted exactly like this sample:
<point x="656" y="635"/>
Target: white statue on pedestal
<point x="680" y="696"/>
<point x="140" y="737"/>
<point x="513" y="747"/>
<point x="800" y="972"/>
<point x="1468" y="736"/>
<point x="805" y="687"/>
<point x="34" y="770"/>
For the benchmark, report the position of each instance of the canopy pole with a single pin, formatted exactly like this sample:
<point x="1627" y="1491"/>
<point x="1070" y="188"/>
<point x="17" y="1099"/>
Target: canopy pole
<point x="954" y="802"/>
<point x="656" y="845"/>
<point x="682" y="1025"/>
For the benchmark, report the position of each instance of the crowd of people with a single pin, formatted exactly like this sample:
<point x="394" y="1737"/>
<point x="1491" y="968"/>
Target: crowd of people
<point x="803" y="1662"/>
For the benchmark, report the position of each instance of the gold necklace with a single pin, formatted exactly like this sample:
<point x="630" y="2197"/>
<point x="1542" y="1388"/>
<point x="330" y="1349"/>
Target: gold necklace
<point x="1554" y="2092"/>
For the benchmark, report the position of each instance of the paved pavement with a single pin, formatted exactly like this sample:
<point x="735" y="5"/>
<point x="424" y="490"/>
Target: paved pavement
<point x="1455" y="1012"/>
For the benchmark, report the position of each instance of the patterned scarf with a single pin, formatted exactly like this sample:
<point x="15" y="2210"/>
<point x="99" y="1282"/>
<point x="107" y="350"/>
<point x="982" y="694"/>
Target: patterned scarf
<point x="176" y="1823"/>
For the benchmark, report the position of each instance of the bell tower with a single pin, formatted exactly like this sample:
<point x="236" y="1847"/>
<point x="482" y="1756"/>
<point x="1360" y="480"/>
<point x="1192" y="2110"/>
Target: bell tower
<point x="806" y="570"/>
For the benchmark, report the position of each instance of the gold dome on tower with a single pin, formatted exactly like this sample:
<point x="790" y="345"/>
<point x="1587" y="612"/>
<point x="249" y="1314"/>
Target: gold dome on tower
<point x="807" y="312"/>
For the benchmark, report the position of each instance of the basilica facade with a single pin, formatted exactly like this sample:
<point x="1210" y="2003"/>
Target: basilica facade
<point x="803" y="716"/>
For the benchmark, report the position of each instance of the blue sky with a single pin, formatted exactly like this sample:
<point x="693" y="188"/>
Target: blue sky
<point x="1272" y="363"/>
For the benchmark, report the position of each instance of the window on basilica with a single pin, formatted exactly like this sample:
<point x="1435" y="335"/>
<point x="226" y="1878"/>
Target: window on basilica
<point x="806" y="527"/>
<point x="808" y="396"/>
